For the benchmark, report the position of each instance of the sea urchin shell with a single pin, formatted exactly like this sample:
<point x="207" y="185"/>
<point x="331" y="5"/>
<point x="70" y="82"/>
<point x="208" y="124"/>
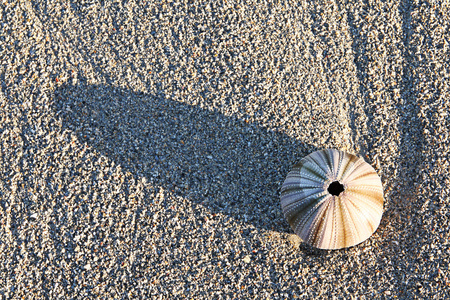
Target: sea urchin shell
<point x="332" y="199"/>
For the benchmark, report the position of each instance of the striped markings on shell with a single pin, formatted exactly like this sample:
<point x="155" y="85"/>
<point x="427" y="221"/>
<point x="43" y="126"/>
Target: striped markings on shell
<point x="337" y="216"/>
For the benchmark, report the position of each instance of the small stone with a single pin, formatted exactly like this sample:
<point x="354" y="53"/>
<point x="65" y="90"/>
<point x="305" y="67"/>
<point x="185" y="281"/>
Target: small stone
<point x="295" y="240"/>
<point x="247" y="259"/>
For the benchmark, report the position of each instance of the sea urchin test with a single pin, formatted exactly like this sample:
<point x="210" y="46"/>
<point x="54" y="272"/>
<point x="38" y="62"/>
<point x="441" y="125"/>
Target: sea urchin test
<point x="332" y="199"/>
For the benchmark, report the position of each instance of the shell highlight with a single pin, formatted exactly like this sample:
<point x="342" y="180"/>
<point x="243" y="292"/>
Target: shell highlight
<point x="332" y="199"/>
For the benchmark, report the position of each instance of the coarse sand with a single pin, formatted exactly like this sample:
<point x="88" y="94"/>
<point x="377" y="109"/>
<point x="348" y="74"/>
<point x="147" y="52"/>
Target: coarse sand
<point x="143" y="145"/>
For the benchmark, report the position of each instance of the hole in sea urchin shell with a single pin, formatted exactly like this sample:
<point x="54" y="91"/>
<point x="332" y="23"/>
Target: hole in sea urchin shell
<point x="335" y="188"/>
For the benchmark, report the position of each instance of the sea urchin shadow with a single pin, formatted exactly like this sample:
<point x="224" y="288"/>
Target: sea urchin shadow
<point x="221" y="162"/>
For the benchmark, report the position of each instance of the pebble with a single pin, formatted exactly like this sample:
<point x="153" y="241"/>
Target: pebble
<point x="295" y="240"/>
<point x="247" y="259"/>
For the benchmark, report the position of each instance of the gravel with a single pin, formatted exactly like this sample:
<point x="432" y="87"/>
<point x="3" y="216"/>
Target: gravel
<point x="144" y="143"/>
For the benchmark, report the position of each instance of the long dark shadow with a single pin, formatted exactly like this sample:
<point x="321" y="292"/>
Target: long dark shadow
<point x="221" y="162"/>
<point x="412" y="151"/>
<point x="411" y="124"/>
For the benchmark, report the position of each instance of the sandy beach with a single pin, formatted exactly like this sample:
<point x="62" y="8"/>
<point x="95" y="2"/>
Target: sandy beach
<point x="144" y="145"/>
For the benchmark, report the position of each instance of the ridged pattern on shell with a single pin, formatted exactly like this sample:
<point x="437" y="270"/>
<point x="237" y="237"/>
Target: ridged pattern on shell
<point x="326" y="221"/>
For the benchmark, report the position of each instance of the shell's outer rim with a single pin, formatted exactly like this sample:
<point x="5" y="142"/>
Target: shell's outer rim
<point x="337" y="173"/>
